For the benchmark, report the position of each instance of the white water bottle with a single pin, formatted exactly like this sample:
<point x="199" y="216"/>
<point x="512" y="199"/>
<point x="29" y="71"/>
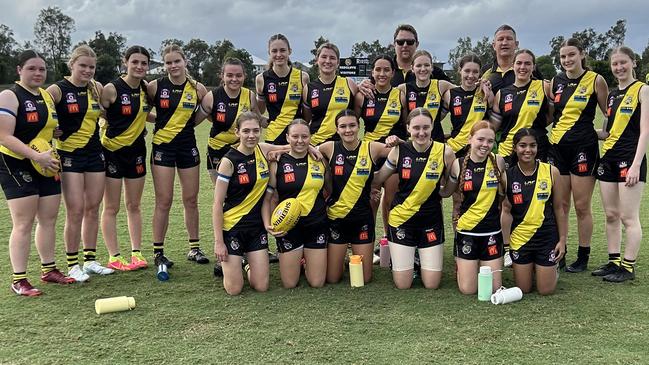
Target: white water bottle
<point x="384" y="252"/>
<point x="504" y="295"/>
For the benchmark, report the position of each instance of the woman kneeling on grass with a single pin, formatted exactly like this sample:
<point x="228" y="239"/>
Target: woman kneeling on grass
<point x="537" y="235"/>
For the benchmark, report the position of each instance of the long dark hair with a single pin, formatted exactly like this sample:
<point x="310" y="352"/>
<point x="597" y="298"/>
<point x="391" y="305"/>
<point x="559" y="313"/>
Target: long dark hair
<point x="574" y="42"/>
<point x="523" y="132"/>
<point x="377" y="59"/>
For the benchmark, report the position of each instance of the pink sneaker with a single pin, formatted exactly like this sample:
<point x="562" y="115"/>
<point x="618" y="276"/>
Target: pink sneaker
<point x="119" y="263"/>
<point x="138" y="261"/>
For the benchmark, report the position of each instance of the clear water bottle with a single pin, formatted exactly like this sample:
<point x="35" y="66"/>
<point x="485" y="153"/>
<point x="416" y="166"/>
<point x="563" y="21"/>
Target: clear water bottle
<point x="384" y="252"/>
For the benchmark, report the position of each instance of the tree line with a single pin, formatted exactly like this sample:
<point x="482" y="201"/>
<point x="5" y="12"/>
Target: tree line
<point x="53" y="30"/>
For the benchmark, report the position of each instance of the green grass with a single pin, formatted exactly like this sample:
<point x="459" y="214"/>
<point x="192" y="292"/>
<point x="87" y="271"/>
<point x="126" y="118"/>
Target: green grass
<point x="191" y="319"/>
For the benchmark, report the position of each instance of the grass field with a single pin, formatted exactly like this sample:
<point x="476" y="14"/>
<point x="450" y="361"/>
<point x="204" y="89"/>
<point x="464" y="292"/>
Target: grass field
<point x="190" y="319"/>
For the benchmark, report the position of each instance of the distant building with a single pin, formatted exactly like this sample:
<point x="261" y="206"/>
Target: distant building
<point x="258" y="64"/>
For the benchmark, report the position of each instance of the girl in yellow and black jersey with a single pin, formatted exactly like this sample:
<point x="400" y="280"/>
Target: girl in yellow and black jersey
<point x="84" y="172"/>
<point x="415" y="219"/>
<point x="27" y="113"/>
<point x="223" y="105"/>
<point x="576" y="94"/>
<point x="522" y="104"/>
<point x="479" y="179"/>
<point x="534" y="225"/>
<point x="326" y="96"/>
<point x="127" y="109"/>
<point x="176" y="98"/>
<point x="352" y="163"/>
<point x="426" y="92"/>
<point x="622" y="171"/>
<point x="280" y="89"/>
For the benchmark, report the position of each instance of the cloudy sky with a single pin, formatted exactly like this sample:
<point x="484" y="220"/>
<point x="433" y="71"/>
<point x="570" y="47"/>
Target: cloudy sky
<point x="249" y="23"/>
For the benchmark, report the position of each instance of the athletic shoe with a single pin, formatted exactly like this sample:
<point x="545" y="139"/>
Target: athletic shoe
<point x="119" y="263"/>
<point x="604" y="270"/>
<point x="619" y="276"/>
<point x="580" y="265"/>
<point x="77" y="274"/>
<point x="195" y="254"/>
<point x="55" y="276"/>
<point x="159" y="259"/>
<point x="138" y="261"/>
<point x="93" y="267"/>
<point x="272" y="257"/>
<point x="376" y="259"/>
<point x="23" y="287"/>
<point x="507" y="260"/>
<point x="218" y="270"/>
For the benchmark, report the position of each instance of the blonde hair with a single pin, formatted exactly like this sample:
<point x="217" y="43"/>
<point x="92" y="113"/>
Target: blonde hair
<point x="419" y="53"/>
<point x="85" y="51"/>
<point x="176" y="48"/>
<point x="328" y="45"/>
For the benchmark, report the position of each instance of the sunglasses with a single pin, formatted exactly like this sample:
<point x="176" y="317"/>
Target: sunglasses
<point x="401" y="42"/>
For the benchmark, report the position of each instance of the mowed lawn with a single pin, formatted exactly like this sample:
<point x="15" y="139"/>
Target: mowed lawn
<point x="190" y="319"/>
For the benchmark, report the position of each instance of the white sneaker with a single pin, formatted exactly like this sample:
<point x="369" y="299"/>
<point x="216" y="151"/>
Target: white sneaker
<point x="376" y="259"/>
<point x="77" y="274"/>
<point x="508" y="259"/>
<point x="93" y="267"/>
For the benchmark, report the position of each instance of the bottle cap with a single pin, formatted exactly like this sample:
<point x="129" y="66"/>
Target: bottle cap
<point x="485" y="269"/>
<point x="131" y="302"/>
<point x="355" y="259"/>
<point x="383" y="241"/>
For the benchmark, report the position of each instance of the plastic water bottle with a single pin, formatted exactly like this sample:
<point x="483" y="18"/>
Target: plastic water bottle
<point x="485" y="283"/>
<point x="356" y="271"/>
<point x="384" y="252"/>
<point x="163" y="273"/>
<point x="116" y="304"/>
<point x="504" y="295"/>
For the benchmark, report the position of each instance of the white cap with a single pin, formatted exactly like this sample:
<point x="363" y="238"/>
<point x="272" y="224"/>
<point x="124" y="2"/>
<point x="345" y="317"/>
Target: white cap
<point x="485" y="269"/>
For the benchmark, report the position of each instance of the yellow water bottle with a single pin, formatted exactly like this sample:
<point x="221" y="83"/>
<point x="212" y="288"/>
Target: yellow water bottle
<point x="356" y="271"/>
<point x="115" y="304"/>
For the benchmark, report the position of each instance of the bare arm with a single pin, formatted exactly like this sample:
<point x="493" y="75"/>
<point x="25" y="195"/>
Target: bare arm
<point x="633" y="175"/>
<point x="205" y="108"/>
<point x="359" y="99"/>
<point x="270" y="201"/>
<point x="259" y="87"/>
<point x="220" y="189"/>
<point x="451" y="184"/>
<point x="55" y="91"/>
<point x="506" y="222"/>
<point x="495" y="118"/>
<point x="560" y="216"/>
<point x="389" y="168"/>
<point x="306" y="108"/>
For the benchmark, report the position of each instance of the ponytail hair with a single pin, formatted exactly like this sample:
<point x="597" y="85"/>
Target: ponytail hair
<point x="85" y="51"/>
<point x="232" y="61"/>
<point x="277" y="37"/>
<point x="574" y="42"/>
<point x="176" y="48"/>
<point x="626" y="51"/>
<point x="345" y="113"/>
<point x="141" y="50"/>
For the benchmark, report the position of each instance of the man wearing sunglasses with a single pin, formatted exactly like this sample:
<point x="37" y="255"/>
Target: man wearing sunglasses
<point x="405" y="46"/>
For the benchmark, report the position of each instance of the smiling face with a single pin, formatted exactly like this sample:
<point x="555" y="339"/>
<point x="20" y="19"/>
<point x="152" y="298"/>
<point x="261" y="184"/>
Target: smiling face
<point x="382" y="72"/>
<point x="175" y="64"/>
<point x="420" y="128"/>
<point x="83" y="68"/>
<point x="249" y="132"/>
<point x="347" y="128"/>
<point x="482" y="141"/>
<point x="470" y="73"/>
<point x="571" y="59"/>
<point x="523" y="67"/>
<point x="279" y="51"/>
<point x="622" y="66"/>
<point x="505" y="43"/>
<point x="298" y="137"/>
<point x="233" y="76"/>
<point x="526" y="149"/>
<point x="327" y="61"/>
<point x="422" y="66"/>
<point x="137" y="65"/>
<point x="33" y="72"/>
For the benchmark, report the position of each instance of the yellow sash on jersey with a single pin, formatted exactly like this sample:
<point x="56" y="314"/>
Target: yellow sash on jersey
<point x="485" y="199"/>
<point x="228" y="137"/>
<point x="47" y="130"/>
<point x="340" y="97"/>
<point x="313" y="183"/>
<point x="535" y="215"/>
<point x="390" y="116"/>
<point x="180" y="117"/>
<point x="355" y="184"/>
<point x="526" y="116"/>
<point x="574" y="107"/>
<point x="88" y="126"/>
<point x="423" y="189"/>
<point x="476" y="114"/>
<point x="234" y="215"/>
<point x="433" y="98"/>
<point x="623" y="115"/>
<point x="132" y="132"/>
<point x="289" y="106"/>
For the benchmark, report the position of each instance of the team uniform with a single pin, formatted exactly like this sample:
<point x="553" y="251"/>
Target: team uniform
<point x="283" y="96"/>
<point x="303" y="179"/>
<point x="174" y="141"/>
<point x="500" y="78"/>
<point x="430" y="98"/>
<point x="243" y="228"/>
<point x="534" y="232"/>
<point x="574" y="145"/>
<point x="348" y="207"/>
<point x="79" y="146"/>
<point x="618" y="150"/>
<point x="35" y="118"/>
<point x="523" y="107"/>
<point x="225" y="111"/>
<point x="467" y="108"/>
<point x="478" y="235"/>
<point x="416" y="217"/>
<point x="325" y="102"/>
<point x="402" y="77"/>
<point x="382" y="116"/>
<point x="123" y="138"/>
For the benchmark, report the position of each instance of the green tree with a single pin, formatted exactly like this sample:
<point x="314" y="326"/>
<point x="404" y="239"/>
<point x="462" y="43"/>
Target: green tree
<point x="52" y="33"/>
<point x="545" y="65"/>
<point x="109" y="52"/>
<point x="313" y="71"/>
<point x="248" y="68"/>
<point x="482" y="49"/>
<point x="169" y="42"/>
<point x="197" y="54"/>
<point x="371" y="50"/>
<point x="216" y="56"/>
<point x="8" y="52"/>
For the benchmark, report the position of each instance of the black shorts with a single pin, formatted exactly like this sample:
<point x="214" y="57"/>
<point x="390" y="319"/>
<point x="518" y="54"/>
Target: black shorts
<point x="483" y="248"/>
<point x="244" y="240"/>
<point x="179" y="155"/>
<point x="614" y="170"/>
<point x="126" y="162"/>
<point x="215" y="156"/>
<point x="83" y="160"/>
<point x="542" y="256"/>
<point x="19" y="179"/>
<point x="423" y="237"/>
<point x="354" y="231"/>
<point x="307" y="236"/>
<point x="576" y="159"/>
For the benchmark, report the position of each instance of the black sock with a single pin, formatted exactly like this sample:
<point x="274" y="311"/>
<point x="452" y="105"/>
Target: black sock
<point x="193" y="243"/>
<point x="158" y="248"/>
<point x="18" y="276"/>
<point x="72" y="258"/>
<point x="614" y="258"/>
<point x="628" y="265"/>
<point x="583" y="253"/>
<point x="89" y="254"/>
